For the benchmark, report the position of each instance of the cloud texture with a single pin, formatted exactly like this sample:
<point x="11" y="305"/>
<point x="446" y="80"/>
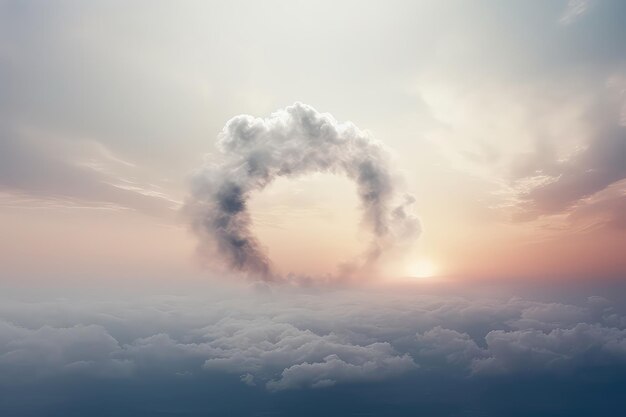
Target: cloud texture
<point x="299" y="340"/>
<point x="292" y="142"/>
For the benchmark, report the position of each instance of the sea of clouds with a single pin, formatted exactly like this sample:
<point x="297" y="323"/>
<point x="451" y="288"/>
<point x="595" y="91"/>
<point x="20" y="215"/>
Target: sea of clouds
<point x="278" y="339"/>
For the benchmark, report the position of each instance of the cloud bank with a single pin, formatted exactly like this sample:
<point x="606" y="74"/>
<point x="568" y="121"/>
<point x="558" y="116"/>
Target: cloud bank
<point x="293" y="142"/>
<point x="298" y="340"/>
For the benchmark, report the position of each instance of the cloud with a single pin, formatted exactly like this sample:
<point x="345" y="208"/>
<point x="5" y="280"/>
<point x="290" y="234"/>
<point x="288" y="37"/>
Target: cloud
<point x="455" y="348"/>
<point x="582" y="346"/>
<point x="379" y="363"/>
<point x="587" y="183"/>
<point x="525" y="351"/>
<point x="298" y="340"/>
<point x="606" y="209"/>
<point x="303" y="358"/>
<point x="591" y="170"/>
<point x="547" y="316"/>
<point x="292" y="142"/>
<point x="565" y="153"/>
<point x="39" y="167"/>
<point x="575" y="10"/>
<point x="27" y="354"/>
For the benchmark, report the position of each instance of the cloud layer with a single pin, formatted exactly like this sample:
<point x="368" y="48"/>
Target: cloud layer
<point x="299" y="340"/>
<point x="292" y="142"/>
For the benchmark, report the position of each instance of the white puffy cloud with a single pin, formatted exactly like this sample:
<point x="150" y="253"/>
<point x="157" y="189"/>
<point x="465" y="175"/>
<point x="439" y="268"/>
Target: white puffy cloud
<point x="584" y="345"/>
<point x="88" y="349"/>
<point x="373" y="362"/>
<point x="302" y="357"/>
<point x="454" y="347"/>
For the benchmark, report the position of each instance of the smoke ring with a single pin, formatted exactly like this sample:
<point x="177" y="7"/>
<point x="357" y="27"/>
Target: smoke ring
<point x="292" y="142"/>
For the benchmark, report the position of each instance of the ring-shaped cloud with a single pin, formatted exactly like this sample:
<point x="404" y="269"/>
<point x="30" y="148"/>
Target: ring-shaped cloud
<point x="292" y="142"/>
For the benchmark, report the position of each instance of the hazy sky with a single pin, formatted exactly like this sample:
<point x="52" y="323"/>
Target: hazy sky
<point x="445" y="180"/>
<point x="507" y="121"/>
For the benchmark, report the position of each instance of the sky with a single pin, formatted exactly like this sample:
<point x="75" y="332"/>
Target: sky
<point x="355" y="207"/>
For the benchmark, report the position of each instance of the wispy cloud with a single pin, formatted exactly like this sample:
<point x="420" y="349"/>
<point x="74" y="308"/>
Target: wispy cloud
<point x="575" y="10"/>
<point x="63" y="172"/>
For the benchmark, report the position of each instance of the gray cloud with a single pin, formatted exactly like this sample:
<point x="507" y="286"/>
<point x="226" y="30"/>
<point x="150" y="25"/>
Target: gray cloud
<point x="601" y="164"/>
<point x="584" y="345"/>
<point x="378" y="363"/>
<point x="584" y="183"/>
<point x="30" y="354"/>
<point x="450" y="346"/>
<point x="295" y="340"/>
<point x="525" y="351"/>
<point x="306" y="359"/>
<point x="292" y="142"/>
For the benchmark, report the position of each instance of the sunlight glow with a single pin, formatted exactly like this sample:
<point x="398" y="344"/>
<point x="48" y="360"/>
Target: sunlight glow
<point x="423" y="268"/>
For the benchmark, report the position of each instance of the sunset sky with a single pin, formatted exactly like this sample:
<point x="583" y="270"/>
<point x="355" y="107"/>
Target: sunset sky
<point x="502" y="124"/>
<point x="507" y="122"/>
